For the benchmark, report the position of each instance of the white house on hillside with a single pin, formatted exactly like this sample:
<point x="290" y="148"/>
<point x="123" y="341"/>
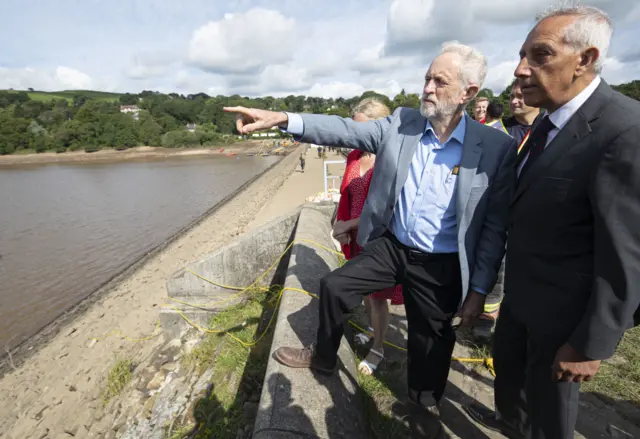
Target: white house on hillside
<point x="133" y="110"/>
<point x="129" y="109"/>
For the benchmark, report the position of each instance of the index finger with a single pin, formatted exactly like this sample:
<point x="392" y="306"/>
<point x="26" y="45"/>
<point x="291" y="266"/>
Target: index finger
<point x="235" y="109"/>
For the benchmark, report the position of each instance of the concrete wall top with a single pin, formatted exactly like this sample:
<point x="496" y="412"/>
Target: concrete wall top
<point x="299" y="402"/>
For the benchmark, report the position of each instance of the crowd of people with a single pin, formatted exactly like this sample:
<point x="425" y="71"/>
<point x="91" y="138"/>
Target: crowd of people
<point x="556" y="186"/>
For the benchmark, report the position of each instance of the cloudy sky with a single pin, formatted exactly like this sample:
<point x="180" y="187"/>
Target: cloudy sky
<point x="324" y="48"/>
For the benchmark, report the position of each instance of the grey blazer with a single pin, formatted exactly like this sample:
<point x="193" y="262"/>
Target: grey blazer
<point x="486" y="181"/>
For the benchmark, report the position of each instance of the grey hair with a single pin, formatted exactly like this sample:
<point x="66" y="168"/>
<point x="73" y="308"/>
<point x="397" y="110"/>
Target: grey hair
<point x="592" y="28"/>
<point x="473" y="65"/>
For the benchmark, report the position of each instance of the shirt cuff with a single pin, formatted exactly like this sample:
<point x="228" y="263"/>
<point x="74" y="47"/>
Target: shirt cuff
<point x="479" y="290"/>
<point x="295" y="125"/>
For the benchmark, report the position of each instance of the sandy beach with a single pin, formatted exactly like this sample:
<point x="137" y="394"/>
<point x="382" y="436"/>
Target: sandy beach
<point x="140" y="152"/>
<point x="57" y="378"/>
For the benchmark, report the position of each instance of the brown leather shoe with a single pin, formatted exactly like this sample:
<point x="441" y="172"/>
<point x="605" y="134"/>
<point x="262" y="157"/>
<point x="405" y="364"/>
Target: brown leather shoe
<point x="303" y="358"/>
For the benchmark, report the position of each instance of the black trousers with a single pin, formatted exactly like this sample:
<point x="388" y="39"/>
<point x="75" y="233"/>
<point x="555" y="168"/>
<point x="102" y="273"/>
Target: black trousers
<point x="526" y="395"/>
<point x="432" y="290"/>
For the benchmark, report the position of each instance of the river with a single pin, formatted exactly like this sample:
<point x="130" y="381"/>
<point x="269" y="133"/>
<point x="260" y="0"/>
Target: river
<point x="65" y="229"/>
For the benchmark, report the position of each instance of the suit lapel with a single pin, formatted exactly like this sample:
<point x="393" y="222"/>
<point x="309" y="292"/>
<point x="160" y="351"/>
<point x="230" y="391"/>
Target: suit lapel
<point x="577" y="128"/>
<point x="413" y="133"/>
<point x="471" y="153"/>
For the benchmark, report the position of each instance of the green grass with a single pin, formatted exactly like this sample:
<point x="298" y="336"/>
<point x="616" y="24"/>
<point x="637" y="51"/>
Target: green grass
<point x="619" y="378"/>
<point x="118" y="377"/>
<point x="479" y="351"/>
<point x="69" y="94"/>
<point x="177" y="433"/>
<point x="238" y="370"/>
<point x="378" y="402"/>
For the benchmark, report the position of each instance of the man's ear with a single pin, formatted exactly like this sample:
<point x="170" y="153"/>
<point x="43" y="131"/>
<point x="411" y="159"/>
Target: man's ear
<point x="470" y="94"/>
<point x="587" y="59"/>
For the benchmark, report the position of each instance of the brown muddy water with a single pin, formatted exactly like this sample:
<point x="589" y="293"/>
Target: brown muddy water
<point x="65" y="229"/>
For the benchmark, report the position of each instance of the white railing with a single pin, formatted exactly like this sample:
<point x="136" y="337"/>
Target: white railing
<point x="336" y="180"/>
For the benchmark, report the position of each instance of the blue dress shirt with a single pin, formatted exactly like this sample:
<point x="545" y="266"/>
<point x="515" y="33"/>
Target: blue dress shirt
<point x="425" y="214"/>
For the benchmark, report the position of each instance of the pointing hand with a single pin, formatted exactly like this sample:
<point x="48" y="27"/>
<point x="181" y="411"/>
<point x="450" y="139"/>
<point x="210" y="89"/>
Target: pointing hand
<point x="249" y="120"/>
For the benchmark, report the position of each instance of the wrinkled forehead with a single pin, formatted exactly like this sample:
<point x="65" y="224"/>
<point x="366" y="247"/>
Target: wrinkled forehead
<point x="446" y="64"/>
<point x="549" y="32"/>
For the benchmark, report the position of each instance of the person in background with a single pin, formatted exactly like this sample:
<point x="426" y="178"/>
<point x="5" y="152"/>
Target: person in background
<point x="493" y="118"/>
<point x="302" y="161"/>
<point x="480" y="109"/>
<point x="573" y="252"/>
<point x="519" y="125"/>
<point x="353" y="193"/>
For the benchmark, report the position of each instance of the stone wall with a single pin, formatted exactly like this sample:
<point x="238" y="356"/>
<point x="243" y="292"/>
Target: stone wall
<point x="237" y="264"/>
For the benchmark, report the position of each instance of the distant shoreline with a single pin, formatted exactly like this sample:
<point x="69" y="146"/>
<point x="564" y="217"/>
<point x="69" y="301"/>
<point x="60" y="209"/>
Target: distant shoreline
<point x="248" y="147"/>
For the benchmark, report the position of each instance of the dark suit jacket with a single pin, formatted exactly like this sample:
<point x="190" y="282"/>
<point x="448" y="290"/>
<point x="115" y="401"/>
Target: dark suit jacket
<point x="573" y="249"/>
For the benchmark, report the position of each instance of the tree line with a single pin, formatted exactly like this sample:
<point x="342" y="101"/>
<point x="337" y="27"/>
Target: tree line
<point x="89" y="123"/>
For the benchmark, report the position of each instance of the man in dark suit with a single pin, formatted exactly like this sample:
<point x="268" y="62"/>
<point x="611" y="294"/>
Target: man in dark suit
<point x="573" y="250"/>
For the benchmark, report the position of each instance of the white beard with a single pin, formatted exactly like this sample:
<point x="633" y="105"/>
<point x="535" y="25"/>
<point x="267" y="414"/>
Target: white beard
<point x="438" y="111"/>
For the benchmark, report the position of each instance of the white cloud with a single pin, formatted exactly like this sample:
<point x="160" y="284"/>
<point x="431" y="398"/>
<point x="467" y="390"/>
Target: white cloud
<point x="500" y="76"/>
<point x="150" y="64"/>
<point x="72" y="78"/>
<point x="269" y="47"/>
<point x="60" y="78"/>
<point x="275" y="79"/>
<point x="506" y="11"/>
<point x="373" y="59"/>
<point x="325" y="63"/>
<point x="336" y="89"/>
<point x="142" y="71"/>
<point x="242" y="43"/>
<point x="419" y="26"/>
<point x="285" y="77"/>
<point x="617" y="72"/>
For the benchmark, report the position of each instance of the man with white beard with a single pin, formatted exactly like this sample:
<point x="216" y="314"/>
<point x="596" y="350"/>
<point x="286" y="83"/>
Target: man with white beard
<point x="434" y="221"/>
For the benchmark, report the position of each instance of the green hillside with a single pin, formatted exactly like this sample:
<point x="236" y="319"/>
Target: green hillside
<point x="44" y="96"/>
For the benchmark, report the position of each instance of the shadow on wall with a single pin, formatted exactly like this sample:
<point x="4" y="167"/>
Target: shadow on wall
<point x="308" y="270"/>
<point x="286" y="407"/>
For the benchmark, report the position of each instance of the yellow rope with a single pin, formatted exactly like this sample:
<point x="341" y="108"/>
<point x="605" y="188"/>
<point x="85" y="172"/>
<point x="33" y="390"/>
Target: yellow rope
<point x="126" y="337"/>
<point x="246" y="344"/>
<point x="242" y="290"/>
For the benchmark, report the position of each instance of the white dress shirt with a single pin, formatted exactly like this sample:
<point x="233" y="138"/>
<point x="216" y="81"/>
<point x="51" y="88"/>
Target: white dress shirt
<point x="561" y="116"/>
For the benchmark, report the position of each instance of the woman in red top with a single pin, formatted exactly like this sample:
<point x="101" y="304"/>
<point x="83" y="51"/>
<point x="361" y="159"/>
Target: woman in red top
<point x="353" y="192"/>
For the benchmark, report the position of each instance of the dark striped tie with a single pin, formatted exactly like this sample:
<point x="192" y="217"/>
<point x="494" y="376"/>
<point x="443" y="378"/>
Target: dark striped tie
<point x="536" y="143"/>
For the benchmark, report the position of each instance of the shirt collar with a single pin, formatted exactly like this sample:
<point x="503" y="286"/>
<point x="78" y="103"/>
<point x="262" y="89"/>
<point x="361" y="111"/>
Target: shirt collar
<point x="561" y="116"/>
<point x="457" y="134"/>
